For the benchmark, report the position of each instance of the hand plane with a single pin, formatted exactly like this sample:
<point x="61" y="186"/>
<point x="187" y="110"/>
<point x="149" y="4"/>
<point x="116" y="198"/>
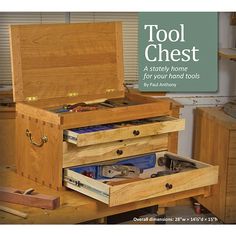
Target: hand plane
<point x="29" y="198"/>
<point x="174" y="163"/>
<point x="119" y="171"/>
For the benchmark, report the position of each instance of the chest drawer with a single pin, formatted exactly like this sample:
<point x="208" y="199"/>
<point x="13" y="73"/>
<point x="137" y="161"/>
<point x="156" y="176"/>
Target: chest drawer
<point x="113" y="150"/>
<point x="114" y="193"/>
<point x="123" y="131"/>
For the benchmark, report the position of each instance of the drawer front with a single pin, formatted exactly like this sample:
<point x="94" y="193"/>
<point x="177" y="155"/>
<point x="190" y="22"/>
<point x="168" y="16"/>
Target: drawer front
<point x="123" y="131"/>
<point x="141" y="189"/>
<point x="115" y="150"/>
<point x="156" y="187"/>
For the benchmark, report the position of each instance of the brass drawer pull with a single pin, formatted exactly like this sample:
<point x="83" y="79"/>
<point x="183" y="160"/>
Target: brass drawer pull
<point x="44" y="139"/>
<point x="169" y="186"/>
<point x="136" y="132"/>
<point x="119" y="152"/>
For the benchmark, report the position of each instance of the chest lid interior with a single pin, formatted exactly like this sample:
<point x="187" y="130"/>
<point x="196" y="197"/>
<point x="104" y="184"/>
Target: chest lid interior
<point x="61" y="60"/>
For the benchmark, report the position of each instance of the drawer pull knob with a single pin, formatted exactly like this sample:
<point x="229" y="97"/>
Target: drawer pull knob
<point x="169" y="186"/>
<point x="136" y="132"/>
<point x="44" y="139"/>
<point x="119" y="152"/>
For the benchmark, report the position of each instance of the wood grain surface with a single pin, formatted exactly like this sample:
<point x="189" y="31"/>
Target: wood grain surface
<point x="127" y="132"/>
<point x="84" y="58"/>
<point x="108" y="151"/>
<point x="154" y="187"/>
<point x="42" y="164"/>
<point x="44" y="201"/>
<point x="215" y="144"/>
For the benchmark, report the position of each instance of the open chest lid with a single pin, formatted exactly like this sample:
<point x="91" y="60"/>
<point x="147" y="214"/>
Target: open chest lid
<point x="64" y="60"/>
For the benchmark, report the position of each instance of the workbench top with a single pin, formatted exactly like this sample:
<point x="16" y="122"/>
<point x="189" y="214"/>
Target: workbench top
<point x="75" y="207"/>
<point x="219" y="115"/>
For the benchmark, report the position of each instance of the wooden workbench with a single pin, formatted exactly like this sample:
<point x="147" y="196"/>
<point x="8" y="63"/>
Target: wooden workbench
<point x="215" y="143"/>
<point x="75" y="207"/>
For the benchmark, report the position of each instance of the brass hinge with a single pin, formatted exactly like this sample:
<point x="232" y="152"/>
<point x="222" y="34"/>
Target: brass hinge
<point x="73" y="94"/>
<point x="31" y="99"/>
<point x="110" y="90"/>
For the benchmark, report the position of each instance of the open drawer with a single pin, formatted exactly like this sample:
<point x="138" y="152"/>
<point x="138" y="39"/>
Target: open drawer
<point x="117" y="191"/>
<point x="124" y="130"/>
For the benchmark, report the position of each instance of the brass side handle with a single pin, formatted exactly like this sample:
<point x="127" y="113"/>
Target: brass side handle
<point x="44" y="139"/>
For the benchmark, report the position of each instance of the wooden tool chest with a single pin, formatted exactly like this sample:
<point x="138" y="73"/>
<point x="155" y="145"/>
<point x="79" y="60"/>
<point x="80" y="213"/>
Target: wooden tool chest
<point x="74" y="110"/>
